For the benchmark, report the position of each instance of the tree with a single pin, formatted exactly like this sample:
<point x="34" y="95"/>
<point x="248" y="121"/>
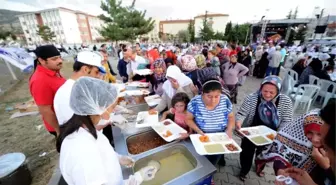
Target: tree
<point x="206" y="32"/>
<point x="45" y="33"/>
<point x="183" y="36"/>
<point x="228" y="29"/>
<point x="4" y="34"/>
<point x="124" y="23"/>
<point x="289" y="16"/>
<point x="191" y="30"/>
<point x="219" y="36"/>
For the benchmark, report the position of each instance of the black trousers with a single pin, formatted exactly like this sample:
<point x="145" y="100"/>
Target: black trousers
<point x="247" y="154"/>
<point x="107" y="131"/>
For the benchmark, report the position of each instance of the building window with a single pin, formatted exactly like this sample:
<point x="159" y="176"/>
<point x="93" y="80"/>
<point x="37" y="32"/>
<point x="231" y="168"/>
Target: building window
<point x="29" y="39"/>
<point x="59" y="23"/>
<point x="27" y="31"/>
<point x="24" y="23"/>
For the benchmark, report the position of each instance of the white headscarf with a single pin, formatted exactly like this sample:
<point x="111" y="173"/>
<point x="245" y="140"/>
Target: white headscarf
<point x="175" y="73"/>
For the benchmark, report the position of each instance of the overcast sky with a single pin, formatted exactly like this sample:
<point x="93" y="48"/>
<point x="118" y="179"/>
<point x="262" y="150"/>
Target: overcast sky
<point x="240" y="11"/>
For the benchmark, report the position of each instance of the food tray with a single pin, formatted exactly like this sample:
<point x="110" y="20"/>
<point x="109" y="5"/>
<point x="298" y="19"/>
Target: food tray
<point x="214" y="139"/>
<point x="153" y="100"/>
<point x="143" y="72"/>
<point x="139" y="92"/>
<point x="174" y="128"/>
<point x="137" y="84"/>
<point x="258" y="131"/>
<point x="148" y="120"/>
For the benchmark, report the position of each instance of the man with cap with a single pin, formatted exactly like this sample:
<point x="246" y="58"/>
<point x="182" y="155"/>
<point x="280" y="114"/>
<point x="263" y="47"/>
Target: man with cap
<point x="87" y="63"/>
<point x="45" y="82"/>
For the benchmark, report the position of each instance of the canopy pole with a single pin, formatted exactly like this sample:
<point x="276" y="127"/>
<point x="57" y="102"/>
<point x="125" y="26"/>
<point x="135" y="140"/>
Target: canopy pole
<point x="10" y="70"/>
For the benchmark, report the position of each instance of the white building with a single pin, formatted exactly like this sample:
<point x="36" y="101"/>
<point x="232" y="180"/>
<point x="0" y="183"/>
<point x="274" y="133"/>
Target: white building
<point x="68" y="25"/>
<point x="174" y="26"/>
<point x="217" y="21"/>
<point x="153" y="36"/>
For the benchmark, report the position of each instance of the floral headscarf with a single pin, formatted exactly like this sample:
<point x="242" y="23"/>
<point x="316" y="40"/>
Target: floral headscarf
<point x="160" y="63"/>
<point x="291" y="145"/>
<point x="267" y="110"/>
<point x="200" y="61"/>
<point x="188" y="63"/>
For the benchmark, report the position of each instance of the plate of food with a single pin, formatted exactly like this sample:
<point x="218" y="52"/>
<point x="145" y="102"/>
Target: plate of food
<point x="147" y="119"/>
<point x="169" y="130"/>
<point x="143" y="72"/>
<point x="214" y="144"/>
<point x="137" y="84"/>
<point x="259" y="135"/>
<point x="138" y="92"/>
<point x="153" y="100"/>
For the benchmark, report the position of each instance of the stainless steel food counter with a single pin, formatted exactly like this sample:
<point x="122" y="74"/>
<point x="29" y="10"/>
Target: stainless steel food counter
<point x="202" y="168"/>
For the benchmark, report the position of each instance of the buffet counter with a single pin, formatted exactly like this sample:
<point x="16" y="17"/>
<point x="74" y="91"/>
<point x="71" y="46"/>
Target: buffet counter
<point x="199" y="167"/>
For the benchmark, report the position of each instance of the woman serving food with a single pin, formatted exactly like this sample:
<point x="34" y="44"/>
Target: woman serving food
<point x="86" y="156"/>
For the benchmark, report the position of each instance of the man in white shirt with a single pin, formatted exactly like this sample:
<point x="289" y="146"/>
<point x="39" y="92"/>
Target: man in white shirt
<point x="134" y="61"/>
<point x="87" y="63"/>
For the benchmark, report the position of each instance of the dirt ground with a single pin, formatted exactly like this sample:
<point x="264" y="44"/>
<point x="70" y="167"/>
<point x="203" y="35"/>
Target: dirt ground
<point x="22" y="134"/>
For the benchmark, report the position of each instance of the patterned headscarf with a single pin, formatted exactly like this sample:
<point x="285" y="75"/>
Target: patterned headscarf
<point x="291" y="146"/>
<point x="188" y="63"/>
<point x="200" y="61"/>
<point x="160" y="63"/>
<point x="267" y="110"/>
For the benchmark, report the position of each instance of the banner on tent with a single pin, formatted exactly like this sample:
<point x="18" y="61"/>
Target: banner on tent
<point x="18" y="57"/>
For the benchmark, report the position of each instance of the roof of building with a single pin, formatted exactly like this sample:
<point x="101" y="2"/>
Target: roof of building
<point x="176" y="21"/>
<point x="60" y="8"/>
<point x="212" y="15"/>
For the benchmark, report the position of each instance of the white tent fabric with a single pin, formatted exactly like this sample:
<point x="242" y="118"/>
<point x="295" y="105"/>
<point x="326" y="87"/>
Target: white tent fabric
<point x="18" y="57"/>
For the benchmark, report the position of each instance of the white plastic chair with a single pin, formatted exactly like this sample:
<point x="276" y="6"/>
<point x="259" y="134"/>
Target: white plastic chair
<point x="313" y="80"/>
<point x="323" y="93"/>
<point x="288" y="85"/>
<point x="325" y="64"/>
<point x="293" y="74"/>
<point x="304" y="97"/>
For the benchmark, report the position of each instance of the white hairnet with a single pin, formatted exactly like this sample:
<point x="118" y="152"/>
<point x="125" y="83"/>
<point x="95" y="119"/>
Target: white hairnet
<point x="90" y="96"/>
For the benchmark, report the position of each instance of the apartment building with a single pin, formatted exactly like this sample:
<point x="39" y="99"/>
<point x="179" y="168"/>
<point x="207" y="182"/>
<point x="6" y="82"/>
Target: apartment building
<point x="216" y="20"/>
<point x="69" y="26"/>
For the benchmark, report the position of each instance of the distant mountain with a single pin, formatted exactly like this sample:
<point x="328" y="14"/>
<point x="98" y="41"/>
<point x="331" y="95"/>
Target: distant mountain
<point x="9" y="16"/>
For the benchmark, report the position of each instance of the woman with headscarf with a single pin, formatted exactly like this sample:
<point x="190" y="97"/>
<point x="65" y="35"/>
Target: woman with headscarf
<point x="311" y="69"/>
<point x="258" y="54"/>
<point x="214" y="61"/>
<point x="232" y="71"/>
<point x="265" y="107"/>
<point x="158" y="77"/>
<point x="299" y="145"/>
<point x="176" y="82"/>
<point x="263" y="64"/>
<point x="300" y="66"/>
<point x="86" y="156"/>
<point x="200" y="61"/>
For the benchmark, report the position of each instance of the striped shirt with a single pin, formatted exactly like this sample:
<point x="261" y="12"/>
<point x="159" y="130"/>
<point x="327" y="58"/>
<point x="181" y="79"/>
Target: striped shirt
<point x="210" y="121"/>
<point x="247" y="110"/>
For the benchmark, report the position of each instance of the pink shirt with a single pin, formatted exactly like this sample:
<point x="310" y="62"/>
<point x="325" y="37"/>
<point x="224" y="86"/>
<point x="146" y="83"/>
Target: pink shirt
<point x="179" y="118"/>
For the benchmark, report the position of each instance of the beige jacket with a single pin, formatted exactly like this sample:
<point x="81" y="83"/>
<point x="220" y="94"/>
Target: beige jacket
<point x="166" y="100"/>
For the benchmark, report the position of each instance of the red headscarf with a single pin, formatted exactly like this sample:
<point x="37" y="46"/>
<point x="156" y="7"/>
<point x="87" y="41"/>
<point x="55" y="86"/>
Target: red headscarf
<point x="233" y="52"/>
<point x="153" y="55"/>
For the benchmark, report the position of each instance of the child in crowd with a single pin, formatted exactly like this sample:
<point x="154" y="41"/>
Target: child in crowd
<point x="178" y="112"/>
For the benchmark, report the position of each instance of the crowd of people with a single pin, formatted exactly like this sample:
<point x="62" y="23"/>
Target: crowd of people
<point x="198" y="86"/>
